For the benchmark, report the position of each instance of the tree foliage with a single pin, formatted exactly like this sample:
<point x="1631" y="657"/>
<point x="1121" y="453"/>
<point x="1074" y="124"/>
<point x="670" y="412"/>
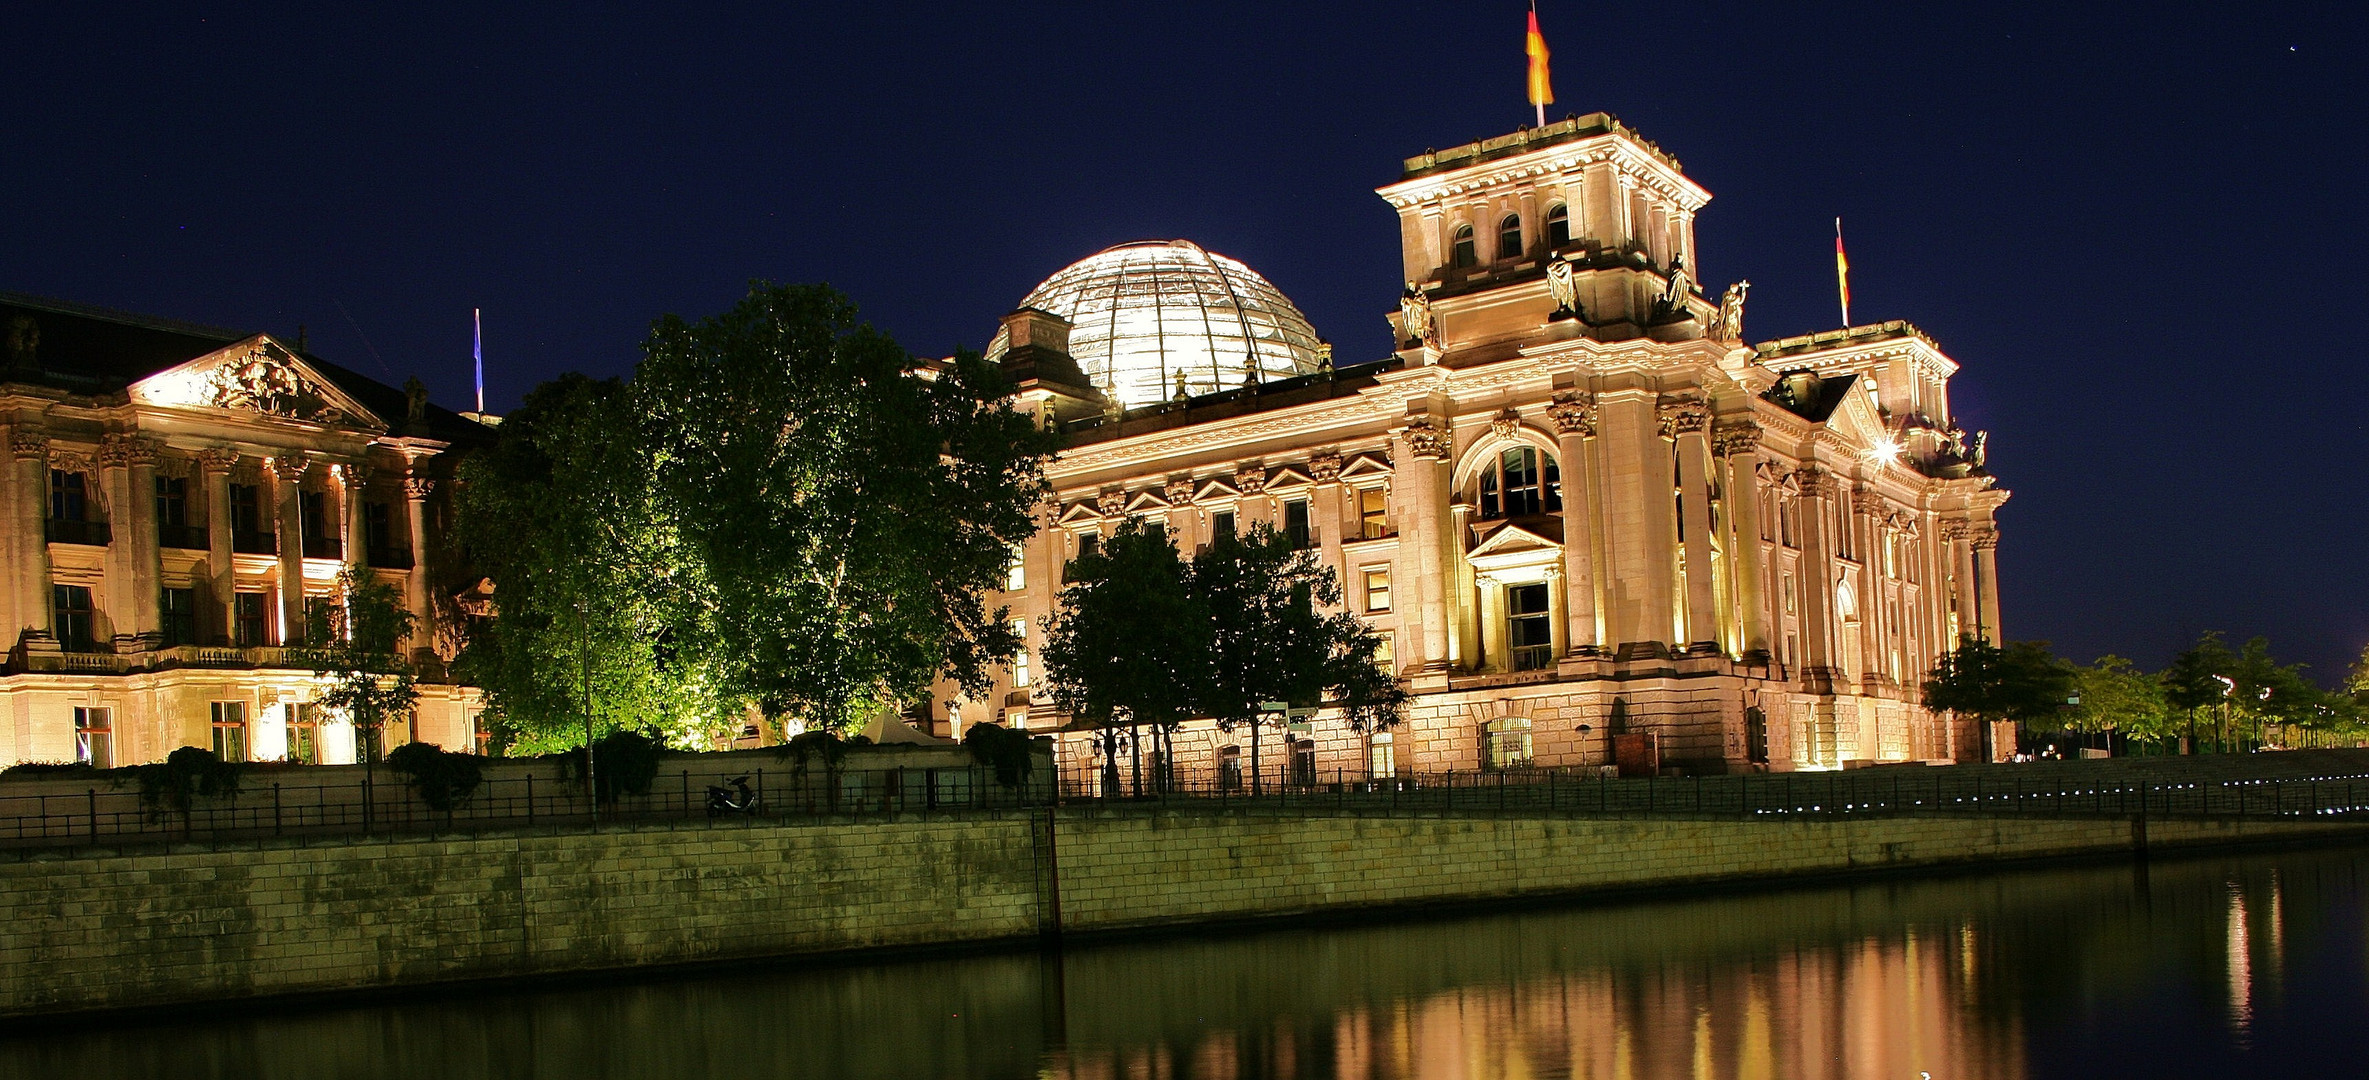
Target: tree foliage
<point x="848" y="512"/>
<point x="1129" y="643"/>
<point x="2116" y="696"/>
<point x="2021" y="682"/>
<point x="354" y="646"/>
<point x="559" y="513"/>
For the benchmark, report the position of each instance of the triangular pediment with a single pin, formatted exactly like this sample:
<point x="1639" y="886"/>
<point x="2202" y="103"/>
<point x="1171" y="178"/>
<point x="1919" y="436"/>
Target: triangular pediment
<point x="1364" y="465"/>
<point x="1080" y="511"/>
<point x="258" y="375"/>
<point x="1147" y="501"/>
<point x="1511" y="541"/>
<point x="1857" y="421"/>
<point x="1216" y="489"/>
<point x="1289" y="476"/>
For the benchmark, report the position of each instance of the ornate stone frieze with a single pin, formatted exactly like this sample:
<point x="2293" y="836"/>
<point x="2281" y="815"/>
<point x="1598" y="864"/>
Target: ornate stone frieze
<point x="1250" y="477"/>
<point x="1983" y="537"/>
<point x="1426" y="437"/>
<point x="1682" y="414"/>
<point x="266" y="381"/>
<point x="1574" y="413"/>
<point x="1737" y="436"/>
<point x="1325" y="467"/>
<point x="69" y="459"/>
<point x="1180" y="491"/>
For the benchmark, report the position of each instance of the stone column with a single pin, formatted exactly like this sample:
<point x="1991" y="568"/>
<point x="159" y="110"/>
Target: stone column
<point x="1575" y="420"/>
<point x="1640" y="524"/>
<point x="1325" y="517"/>
<point x="1182" y="519"/>
<point x="1985" y="542"/>
<point x="1965" y="588"/>
<point x="356" y="477"/>
<point x="216" y="465"/>
<point x="1684" y="420"/>
<point x="1815" y="588"/>
<point x="118" y="595"/>
<point x="288" y="478"/>
<point x="135" y="532"/>
<point x="1421" y="490"/>
<point x="28" y="582"/>
<point x="416" y="489"/>
<point x="1737" y="442"/>
<point x="1255" y="506"/>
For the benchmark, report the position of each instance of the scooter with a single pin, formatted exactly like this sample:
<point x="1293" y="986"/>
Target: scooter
<point x="723" y="800"/>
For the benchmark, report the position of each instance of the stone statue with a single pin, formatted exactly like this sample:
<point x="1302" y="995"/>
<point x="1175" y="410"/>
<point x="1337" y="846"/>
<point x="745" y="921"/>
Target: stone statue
<point x="415" y="400"/>
<point x="1730" y="324"/>
<point x="1415" y="319"/>
<point x="24" y="341"/>
<point x="1674" y="297"/>
<point x="1561" y="285"/>
<point x="1978" y="448"/>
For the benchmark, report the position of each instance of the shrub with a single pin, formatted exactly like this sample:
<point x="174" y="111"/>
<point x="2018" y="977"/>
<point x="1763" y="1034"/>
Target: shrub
<point x="624" y="763"/>
<point x="1011" y="753"/>
<point x="188" y="774"/>
<point x="442" y="779"/>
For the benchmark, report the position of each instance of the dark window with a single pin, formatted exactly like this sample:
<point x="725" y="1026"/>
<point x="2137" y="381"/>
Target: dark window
<point x="1509" y="237"/>
<point x="1528" y="627"/>
<point x="1519" y="483"/>
<point x="172" y="500"/>
<point x="312" y="510"/>
<point x="1089" y="544"/>
<point x="1558" y="226"/>
<point x="250" y="528"/>
<point x="180" y="617"/>
<point x="1465" y="254"/>
<point x="69" y="498"/>
<point x="1295" y="523"/>
<point x="73" y="613"/>
<point x="377" y="526"/>
<point x="1303" y="763"/>
<point x="1221" y="525"/>
<point x="254" y="625"/>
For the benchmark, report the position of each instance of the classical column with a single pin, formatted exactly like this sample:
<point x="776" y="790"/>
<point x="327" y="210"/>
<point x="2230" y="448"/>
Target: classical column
<point x="1421" y="490"/>
<point x="356" y="477"/>
<point x="1640" y="523"/>
<point x="29" y="583"/>
<point x="416" y="489"/>
<point x="1965" y="594"/>
<point x="288" y="475"/>
<point x="1325" y="517"/>
<point x="1256" y="505"/>
<point x="1684" y="420"/>
<point x="1985" y="542"/>
<point x="1815" y="589"/>
<point x="1181" y="516"/>
<point x="1737" y="441"/>
<point x="136" y="533"/>
<point x="216" y="465"/>
<point x="1575" y="420"/>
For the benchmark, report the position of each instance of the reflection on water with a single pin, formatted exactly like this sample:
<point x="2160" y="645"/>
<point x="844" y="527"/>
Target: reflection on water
<point x="2216" y="967"/>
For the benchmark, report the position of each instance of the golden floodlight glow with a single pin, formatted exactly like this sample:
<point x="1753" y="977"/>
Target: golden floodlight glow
<point x="1886" y="451"/>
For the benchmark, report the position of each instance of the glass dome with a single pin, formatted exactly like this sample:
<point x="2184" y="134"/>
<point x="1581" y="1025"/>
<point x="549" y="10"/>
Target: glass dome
<point x="1146" y="314"/>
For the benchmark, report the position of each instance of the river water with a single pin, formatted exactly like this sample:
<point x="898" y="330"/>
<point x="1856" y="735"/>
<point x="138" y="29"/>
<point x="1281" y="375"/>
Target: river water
<point x="2205" y="967"/>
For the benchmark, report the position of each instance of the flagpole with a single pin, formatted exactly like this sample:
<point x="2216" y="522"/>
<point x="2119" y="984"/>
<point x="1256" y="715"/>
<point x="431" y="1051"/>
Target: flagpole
<point x="477" y="321"/>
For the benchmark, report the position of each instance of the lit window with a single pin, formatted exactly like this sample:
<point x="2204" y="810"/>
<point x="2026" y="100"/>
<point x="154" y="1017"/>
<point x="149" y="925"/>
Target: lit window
<point x="1377" y="589"/>
<point x="1465" y="253"/>
<point x="1529" y="627"/>
<point x="1509" y="743"/>
<point x="1016" y="575"/>
<point x="1509" y="237"/>
<point x="1558" y="225"/>
<point x="230" y="730"/>
<point x="1020" y="656"/>
<point x="1521" y="482"/>
<point x="1373" y="513"/>
<point x="1295" y="524"/>
<point x="1016" y="719"/>
<point x="304" y="734"/>
<point x="94" y="737"/>
<point x="1382" y="757"/>
<point x="1386" y="653"/>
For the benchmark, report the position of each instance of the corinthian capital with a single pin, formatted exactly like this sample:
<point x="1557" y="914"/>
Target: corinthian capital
<point x="220" y="459"/>
<point x="28" y="444"/>
<point x="291" y="468"/>
<point x="1737" y="436"/>
<point x="1684" y="414"/>
<point x="419" y="486"/>
<point x="1574" y="413"/>
<point x="1426" y="437"/>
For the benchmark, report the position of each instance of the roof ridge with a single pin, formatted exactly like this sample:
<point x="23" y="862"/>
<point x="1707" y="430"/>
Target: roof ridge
<point x="127" y="318"/>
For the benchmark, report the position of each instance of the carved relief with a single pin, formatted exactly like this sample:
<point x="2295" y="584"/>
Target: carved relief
<point x="1504" y="424"/>
<point x="1111" y="503"/>
<point x="1738" y="436"/>
<point x="419" y="487"/>
<point x="290" y="468"/>
<point x="357" y="476"/>
<point x="1682" y="414"/>
<point x="218" y="458"/>
<point x="69" y="460"/>
<point x="264" y="380"/>
<point x="1325" y="467"/>
<point x="1426" y="438"/>
<point x="1250" y="477"/>
<point x="27" y="444"/>
<point x="1180" y="491"/>
<point x="122" y="449"/>
<point x="1984" y="538"/>
<point x="1574" y="413"/>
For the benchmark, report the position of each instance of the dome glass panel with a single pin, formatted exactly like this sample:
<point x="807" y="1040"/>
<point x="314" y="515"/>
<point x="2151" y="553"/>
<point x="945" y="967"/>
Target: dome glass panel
<point x="1145" y="315"/>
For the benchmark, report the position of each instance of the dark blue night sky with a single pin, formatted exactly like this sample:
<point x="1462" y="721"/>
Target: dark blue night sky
<point x="2133" y="225"/>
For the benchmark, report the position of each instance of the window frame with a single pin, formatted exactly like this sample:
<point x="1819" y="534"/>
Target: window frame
<point x="69" y="495"/>
<point x="1371" y="572"/>
<point x="1558" y="225"/>
<point x="1540" y="486"/>
<point x="94" y="742"/>
<point x="1524" y="655"/>
<point x="231" y="736"/>
<point x="75" y="625"/>
<point x="1463" y="250"/>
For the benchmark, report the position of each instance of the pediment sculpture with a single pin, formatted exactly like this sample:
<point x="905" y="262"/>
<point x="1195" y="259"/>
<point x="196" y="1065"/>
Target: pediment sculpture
<point x="264" y="380"/>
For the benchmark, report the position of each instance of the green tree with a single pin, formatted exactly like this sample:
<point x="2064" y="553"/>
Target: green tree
<point x="1129" y="645"/>
<point x="1269" y="640"/>
<point x="2193" y="683"/>
<point x="2021" y="682"/>
<point x="2356" y="682"/>
<point x="848" y="508"/>
<point x="559" y="513"/>
<point x="2117" y="697"/>
<point x="354" y="646"/>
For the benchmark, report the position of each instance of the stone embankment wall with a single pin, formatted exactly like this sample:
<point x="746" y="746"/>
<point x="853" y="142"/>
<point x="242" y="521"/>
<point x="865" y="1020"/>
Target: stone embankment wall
<point x="99" y="929"/>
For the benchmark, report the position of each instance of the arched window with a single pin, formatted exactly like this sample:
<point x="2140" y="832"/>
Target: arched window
<point x="1558" y="226"/>
<point x="1465" y="254"/>
<point x="1509" y="237"/>
<point x="1519" y="483"/>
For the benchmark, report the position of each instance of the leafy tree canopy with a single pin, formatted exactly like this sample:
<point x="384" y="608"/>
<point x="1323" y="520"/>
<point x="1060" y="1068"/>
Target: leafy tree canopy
<point x="1130" y="642"/>
<point x="2022" y="681"/>
<point x="848" y="509"/>
<point x="353" y="645"/>
<point x="2116" y="696"/>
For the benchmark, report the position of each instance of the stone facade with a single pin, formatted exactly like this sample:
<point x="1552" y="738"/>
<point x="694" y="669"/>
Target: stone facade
<point x="174" y="496"/>
<point x="1573" y="499"/>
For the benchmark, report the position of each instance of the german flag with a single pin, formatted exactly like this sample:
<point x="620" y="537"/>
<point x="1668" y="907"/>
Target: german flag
<point x="1542" y="89"/>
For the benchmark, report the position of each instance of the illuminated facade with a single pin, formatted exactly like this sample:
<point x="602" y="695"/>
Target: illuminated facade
<point x="1576" y="502"/>
<point x="174" y="498"/>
